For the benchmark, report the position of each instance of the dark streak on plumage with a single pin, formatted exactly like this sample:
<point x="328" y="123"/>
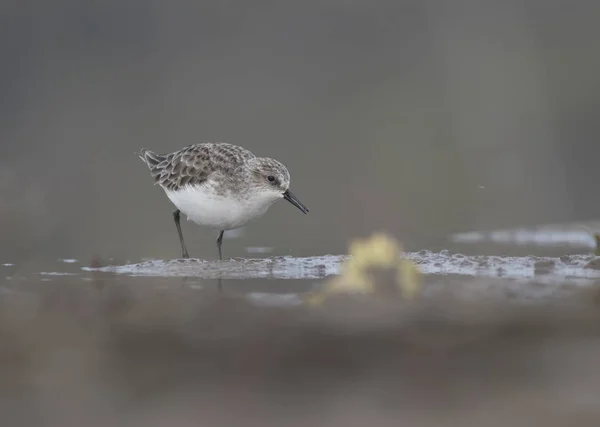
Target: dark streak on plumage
<point x="194" y="164"/>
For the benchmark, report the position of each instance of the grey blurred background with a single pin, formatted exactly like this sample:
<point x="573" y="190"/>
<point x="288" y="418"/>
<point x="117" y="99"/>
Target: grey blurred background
<point x="421" y="117"/>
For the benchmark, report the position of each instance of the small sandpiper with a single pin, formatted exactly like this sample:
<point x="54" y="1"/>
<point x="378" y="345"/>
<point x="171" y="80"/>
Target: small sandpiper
<point x="219" y="185"/>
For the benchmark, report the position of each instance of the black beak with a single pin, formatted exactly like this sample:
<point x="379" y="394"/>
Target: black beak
<point x="294" y="201"/>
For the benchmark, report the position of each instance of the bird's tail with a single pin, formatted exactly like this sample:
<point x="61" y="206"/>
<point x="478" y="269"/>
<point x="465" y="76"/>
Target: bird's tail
<point x="150" y="158"/>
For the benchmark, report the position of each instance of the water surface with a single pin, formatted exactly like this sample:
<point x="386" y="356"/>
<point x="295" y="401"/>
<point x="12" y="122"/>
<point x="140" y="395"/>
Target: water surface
<point x="283" y="280"/>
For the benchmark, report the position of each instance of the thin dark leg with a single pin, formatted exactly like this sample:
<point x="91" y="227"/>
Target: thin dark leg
<point x="219" y="243"/>
<point x="184" y="252"/>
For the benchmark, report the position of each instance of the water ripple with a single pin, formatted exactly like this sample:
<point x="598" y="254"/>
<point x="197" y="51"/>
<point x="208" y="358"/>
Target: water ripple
<point x="429" y="263"/>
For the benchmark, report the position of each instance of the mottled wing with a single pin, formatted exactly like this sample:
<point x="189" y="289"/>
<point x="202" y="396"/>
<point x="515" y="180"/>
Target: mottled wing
<point x="194" y="164"/>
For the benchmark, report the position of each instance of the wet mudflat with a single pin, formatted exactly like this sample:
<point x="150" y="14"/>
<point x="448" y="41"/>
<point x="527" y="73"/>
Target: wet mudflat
<point x="517" y="278"/>
<point x="150" y="351"/>
<point x="490" y="341"/>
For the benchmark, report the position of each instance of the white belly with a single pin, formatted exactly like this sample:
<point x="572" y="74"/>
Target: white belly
<point x="218" y="212"/>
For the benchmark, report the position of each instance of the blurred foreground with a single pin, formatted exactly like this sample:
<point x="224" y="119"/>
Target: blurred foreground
<point x="80" y="355"/>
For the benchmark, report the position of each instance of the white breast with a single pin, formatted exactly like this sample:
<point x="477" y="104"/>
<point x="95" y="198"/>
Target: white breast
<point x="204" y="207"/>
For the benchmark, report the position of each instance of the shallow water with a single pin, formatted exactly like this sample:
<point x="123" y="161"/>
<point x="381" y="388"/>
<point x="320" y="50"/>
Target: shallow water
<point x="569" y="267"/>
<point x="563" y="236"/>
<point x="284" y="280"/>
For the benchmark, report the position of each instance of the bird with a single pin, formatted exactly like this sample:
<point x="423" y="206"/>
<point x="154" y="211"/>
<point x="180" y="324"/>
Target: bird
<point x="219" y="185"/>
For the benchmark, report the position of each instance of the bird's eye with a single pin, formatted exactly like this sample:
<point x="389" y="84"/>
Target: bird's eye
<point x="271" y="178"/>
